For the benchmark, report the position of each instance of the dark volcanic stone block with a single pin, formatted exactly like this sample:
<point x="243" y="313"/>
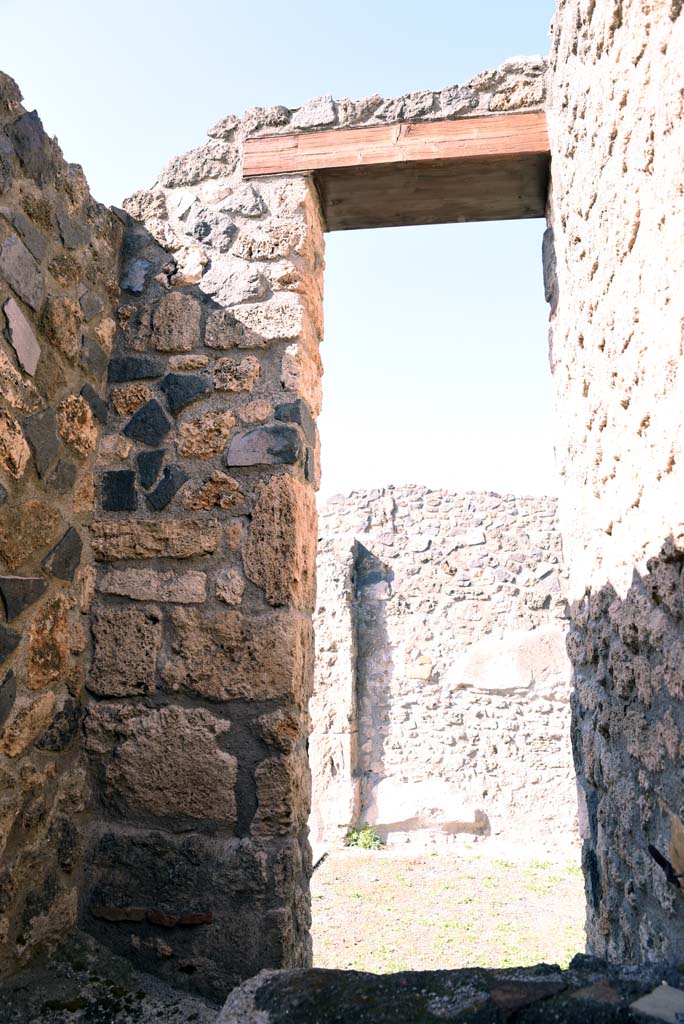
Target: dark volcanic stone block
<point x="33" y="147"/>
<point x="172" y="480"/>
<point x="9" y="641"/>
<point x="19" y="592"/>
<point x="3" y="495"/>
<point x="149" y="464"/>
<point x="8" y="693"/>
<point x="65" y="557"/>
<point x="63" y="477"/>
<point x="93" y="358"/>
<point x="149" y="424"/>
<point x="21" y="272"/>
<point x="118" y="491"/>
<point x="61" y="732"/>
<point x="98" y="406"/>
<point x="73" y="233"/>
<point x="41" y="433"/>
<point x="30" y="235"/>
<point x="135" y="275"/>
<point x="182" y="389"/>
<point x="125" y="368"/>
<point x="91" y="304"/>
<point x="298" y="412"/>
<point x="264" y="446"/>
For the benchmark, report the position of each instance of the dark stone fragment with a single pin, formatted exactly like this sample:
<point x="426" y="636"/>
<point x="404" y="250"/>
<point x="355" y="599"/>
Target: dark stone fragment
<point x="19" y="592"/>
<point x="265" y="446"/>
<point x="593" y="873"/>
<point x="65" y="557"/>
<point x="172" y="480"/>
<point x="61" y="732"/>
<point x="309" y="465"/>
<point x="118" y="491"/>
<point x="63" y="477"/>
<point x="9" y="641"/>
<point x="74" y="234"/>
<point x="149" y="464"/>
<point x="21" y="271"/>
<point x="8" y="693"/>
<point x="94" y="359"/>
<point x="149" y="424"/>
<point x="6" y="170"/>
<point x="91" y="304"/>
<point x="298" y="412"/>
<point x="182" y="389"/>
<point x="63" y="837"/>
<point x="185" y="877"/>
<point x="33" y="147"/>
<point x="40" y="899"/>
<point x="134" y="276"/>
<point x="41" y="433"/>
<point x="124" y="368"/>
<point x="34" y="241"/>
<point x="3" y="495"/>
<point x="98" y="406"/>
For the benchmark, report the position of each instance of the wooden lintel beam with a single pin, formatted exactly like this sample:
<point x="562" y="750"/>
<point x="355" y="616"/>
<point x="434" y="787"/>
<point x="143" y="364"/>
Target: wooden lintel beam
<point x="477" y="168"/>
<point x="469" y="138"/>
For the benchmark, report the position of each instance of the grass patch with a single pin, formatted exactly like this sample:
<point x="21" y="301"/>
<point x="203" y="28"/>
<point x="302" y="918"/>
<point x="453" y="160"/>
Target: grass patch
<point x="384" y="911"/>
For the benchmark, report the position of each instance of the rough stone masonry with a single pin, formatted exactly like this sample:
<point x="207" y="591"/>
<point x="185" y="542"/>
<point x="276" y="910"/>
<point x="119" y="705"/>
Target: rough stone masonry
<point x="440" y="706"/>
<point x="158" y="527"/>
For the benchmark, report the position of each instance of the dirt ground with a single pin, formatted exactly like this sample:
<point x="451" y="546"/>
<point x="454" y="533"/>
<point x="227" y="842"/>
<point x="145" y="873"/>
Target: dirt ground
<point x="387" y="910"/>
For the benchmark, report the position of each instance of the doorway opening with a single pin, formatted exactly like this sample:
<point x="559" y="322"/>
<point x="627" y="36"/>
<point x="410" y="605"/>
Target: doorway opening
<point x="441" y="705"/>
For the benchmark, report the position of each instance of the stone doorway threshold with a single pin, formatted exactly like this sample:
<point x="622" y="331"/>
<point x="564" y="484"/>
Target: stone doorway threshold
<point x="83" y="983"/>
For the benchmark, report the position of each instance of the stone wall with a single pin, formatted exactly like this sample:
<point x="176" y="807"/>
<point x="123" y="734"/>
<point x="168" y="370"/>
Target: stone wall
<point x="58" y="281"/>
<point x="617" y="211"/>
<point x="441" y="698"/>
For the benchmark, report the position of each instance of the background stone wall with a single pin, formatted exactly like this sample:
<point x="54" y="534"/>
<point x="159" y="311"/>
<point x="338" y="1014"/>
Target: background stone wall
<point x="440" y="704"/>
<point x="58" y="281"/>
<point x="617" y="212"/>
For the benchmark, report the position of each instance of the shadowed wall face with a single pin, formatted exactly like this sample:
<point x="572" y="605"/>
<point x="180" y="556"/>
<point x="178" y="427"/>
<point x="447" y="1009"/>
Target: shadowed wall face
<point x="441" y="702"/>
<point x="616" y="212"/>
<point x="58" y="284"/>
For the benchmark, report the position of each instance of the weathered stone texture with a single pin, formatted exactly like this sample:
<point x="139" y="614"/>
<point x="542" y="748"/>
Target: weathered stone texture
<point x="57" y="246"/>
<point x="442" y="682"/>
<point x="615" y="277"/>
<point x="279" y="554"/>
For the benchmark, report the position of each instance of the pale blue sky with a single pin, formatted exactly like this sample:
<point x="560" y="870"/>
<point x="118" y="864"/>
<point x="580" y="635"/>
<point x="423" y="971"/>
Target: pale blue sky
<point x="436" y="349"/>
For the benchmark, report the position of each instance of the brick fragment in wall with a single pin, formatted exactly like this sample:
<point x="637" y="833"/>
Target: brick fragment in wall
<point x="263" y="446"/>
<point x="21" y="272"/>
<point x="22" y="337"/>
